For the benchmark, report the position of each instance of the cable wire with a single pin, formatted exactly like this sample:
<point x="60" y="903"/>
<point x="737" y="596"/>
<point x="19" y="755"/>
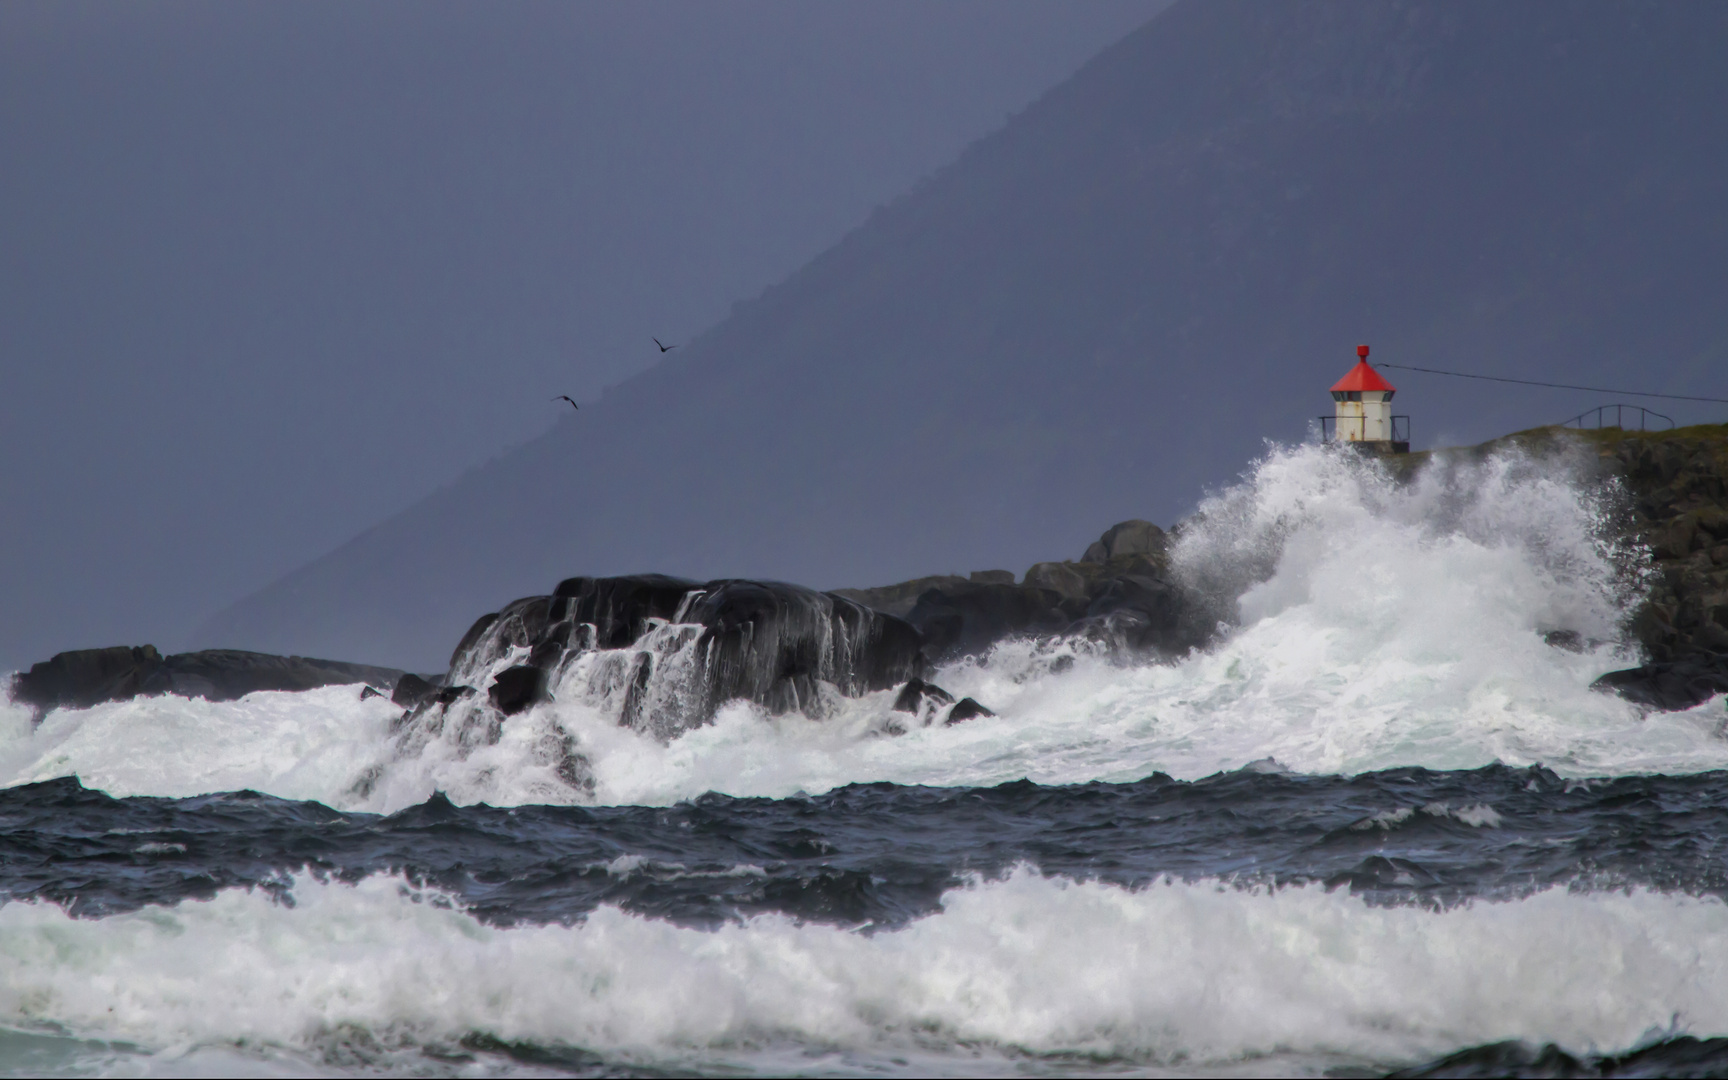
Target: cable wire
<point x="1554" y="385"/>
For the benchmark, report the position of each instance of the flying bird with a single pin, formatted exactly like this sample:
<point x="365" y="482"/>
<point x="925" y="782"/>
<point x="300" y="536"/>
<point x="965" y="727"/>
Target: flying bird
<point x="566" y="397"/>
<point x="663" y="348"/>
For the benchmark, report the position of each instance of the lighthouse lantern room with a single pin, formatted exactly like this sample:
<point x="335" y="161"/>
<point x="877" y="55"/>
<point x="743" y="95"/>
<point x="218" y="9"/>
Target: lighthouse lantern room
<point x="1363" y="412"/>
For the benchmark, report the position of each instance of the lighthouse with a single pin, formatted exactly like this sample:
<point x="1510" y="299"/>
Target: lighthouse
<point x="1362" y="417"/>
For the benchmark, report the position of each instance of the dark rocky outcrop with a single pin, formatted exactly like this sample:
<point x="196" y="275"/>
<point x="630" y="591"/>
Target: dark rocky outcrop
<point x="411" y="690"/>
<point x="767" y="642"/>
<point x="899" y="600"/>
<point x="1677" y="484"/>
<point x="966" y="709"/>
<point x="965" y="618"/>
<point x="1669" y="685"/>
<point x="922" y="699"/>
<point x="517" y="689"/>
<point x="86" y="677"/>
<point x="1133" y="537"/>
<point x="770" y="643"/>
<point x="1119" y="594"/>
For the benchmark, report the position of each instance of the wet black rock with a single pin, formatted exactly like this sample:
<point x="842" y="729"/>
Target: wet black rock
<point x="1682" y="1056"/>
<point x="965" y="618"/>
<point x="411" y="690"/>
<point x="517" y="689"/>
<point x="1121" y="595"/>
<point x="620" y="608"/>
<point x="449" y="695"/>
<point x="771" y="643"/>
<point x="1677" y="684"/>
<point x="921" y="698"/>
<point x="774" y="644"/>
<point x="85" y="677"/>
<point x="966" y="709"/>
<point x="1676" y="485"/>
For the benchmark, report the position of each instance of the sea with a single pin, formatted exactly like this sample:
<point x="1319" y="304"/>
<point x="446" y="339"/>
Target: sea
<point x="1381" y="824"/>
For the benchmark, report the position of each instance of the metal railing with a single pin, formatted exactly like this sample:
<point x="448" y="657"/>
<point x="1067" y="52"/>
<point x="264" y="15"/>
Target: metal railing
<point x="1600" y="412"/>
<point x="1329" y="429"/>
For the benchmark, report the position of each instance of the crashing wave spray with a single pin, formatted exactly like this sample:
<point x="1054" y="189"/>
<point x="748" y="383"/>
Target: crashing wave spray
<point x="658" y="656"/>
<point x="1370" y="624"/>
<point x="1314" y="525"/>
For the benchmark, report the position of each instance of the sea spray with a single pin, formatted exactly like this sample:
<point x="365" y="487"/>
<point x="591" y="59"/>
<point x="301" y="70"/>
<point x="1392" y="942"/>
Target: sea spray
<point x="1196" y="975"/>
<point x="1371" y="624"/>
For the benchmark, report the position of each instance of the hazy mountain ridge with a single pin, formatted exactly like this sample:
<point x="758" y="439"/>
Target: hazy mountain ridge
<point x="1108" y="304"/>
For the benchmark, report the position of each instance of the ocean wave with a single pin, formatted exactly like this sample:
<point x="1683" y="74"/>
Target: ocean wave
<point x="1196" y="976"/>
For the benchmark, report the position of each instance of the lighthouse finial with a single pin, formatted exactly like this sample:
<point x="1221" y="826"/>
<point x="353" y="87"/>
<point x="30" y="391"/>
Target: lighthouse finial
<point x="1362" y="351"/>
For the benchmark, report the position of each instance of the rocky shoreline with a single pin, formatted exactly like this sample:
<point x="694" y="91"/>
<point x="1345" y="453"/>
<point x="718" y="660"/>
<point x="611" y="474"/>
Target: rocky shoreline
<point x="779" y="645"/>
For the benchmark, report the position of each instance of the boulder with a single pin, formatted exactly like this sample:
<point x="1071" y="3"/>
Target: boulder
<point x="1680" y="684"/>
<point x="1063" y="579"/>
<point x="411" y="690"/>
<point x="1124" y="600"/>
<point x="1133" y="537"/>
<point x="771" y="643"/>
<point x="965" y="619"/>
<point x="517" y="689"/>
<point x="620" y="608"/>
<point x="965" y="709"/>
<point x="81" y="678"/>
<point x="899" y="600"/>
<point x="922" y="699"/>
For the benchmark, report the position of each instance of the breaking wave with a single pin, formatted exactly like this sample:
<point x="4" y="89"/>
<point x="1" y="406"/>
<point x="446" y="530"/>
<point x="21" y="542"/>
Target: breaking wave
<point x="1370" y="624"/>
<point x="1193" y="975"/>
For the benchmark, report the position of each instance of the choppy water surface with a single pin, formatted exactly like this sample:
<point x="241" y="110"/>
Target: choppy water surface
<point x="1379" y="823"/>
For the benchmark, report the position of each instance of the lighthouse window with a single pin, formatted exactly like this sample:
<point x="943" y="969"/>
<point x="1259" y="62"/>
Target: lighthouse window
<point x="1352" y="395"/>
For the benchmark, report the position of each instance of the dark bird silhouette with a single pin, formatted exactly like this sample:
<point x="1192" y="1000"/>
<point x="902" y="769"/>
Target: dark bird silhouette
<point x="566" y="397"/>
<point x="663" y="348"/>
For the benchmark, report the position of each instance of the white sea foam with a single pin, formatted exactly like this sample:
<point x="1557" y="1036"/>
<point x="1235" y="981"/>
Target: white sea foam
<point x="296" y="745"/>
<point x="1375" y="626"/>
<point x="1192" y="975"/>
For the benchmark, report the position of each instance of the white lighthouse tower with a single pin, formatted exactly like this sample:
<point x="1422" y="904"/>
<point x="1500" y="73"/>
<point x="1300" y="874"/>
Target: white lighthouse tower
<point x="1363" y="411"/>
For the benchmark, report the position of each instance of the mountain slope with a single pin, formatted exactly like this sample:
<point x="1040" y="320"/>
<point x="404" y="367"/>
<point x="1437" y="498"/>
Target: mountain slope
<point x="1111" y="302"/>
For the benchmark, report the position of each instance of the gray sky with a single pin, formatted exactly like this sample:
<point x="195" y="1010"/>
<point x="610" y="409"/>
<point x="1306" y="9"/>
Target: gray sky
<point x="270" y="273"/>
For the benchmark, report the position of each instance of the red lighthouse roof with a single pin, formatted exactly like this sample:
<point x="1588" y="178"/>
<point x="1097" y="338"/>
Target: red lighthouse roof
<point x="1362" y="376"/>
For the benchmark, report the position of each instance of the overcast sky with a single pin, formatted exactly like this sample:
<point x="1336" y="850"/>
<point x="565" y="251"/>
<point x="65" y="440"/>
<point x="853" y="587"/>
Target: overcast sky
<point x="270" y="272"/>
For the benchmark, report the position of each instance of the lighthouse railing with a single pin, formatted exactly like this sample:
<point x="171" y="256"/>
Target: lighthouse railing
<point x="1330" y="432"/>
